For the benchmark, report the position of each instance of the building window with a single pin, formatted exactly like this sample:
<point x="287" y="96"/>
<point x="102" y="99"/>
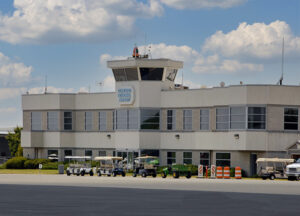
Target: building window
<point x="171" y="74"/>
<point x="223" y="159"/>
<point x="171" y="157"/>
<point x="102" y="153"/>
<point x="256" y="118"/>
<point x="102" y="120"/>
<point x="187" y="157"/>
<point x="171" y="119"/>
<point x="222" y="118"/>
<point x="204" y="158"/>
<point x="133" y="119"/>
<point x="88" y="153"/>
<point x="125" y="74"/>
<point x="67" y="120"/>
<point x="52" y="120"/>
<point x="121" y="119"/>
<point x="52" y="154"/>
<point x="36" y="121"/>
<point x="151" y="73"/>
<point x="237" y="117"/>
<point x="150" y="119"/>
<point x="88" y="121"/>
<point x="68" y="152"/>
<point x="187" y="120"/>
<point x="290" y="118"/>
<point x="204" y="119"/>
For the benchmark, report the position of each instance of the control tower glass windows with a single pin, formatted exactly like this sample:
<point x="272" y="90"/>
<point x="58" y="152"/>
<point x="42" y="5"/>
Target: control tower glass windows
<point x="125" y="74"/>
<point x="171" y="74"/>
<point x="150" y="119"/>
<point x="151" y="73"/>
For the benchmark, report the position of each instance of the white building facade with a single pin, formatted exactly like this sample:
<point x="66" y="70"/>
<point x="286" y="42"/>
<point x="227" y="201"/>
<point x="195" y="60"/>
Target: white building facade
<point x="147" y="115"/>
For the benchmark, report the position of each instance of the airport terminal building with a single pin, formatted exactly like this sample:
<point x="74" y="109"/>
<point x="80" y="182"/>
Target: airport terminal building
<point x="149" y="115"/>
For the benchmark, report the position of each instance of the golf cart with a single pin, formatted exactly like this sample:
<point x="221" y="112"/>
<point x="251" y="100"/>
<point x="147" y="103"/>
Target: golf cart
<point x="293" y="171"/>
<point x="145" y="166"/>
<point x="77" y="168"/>
<point x="272" y="167"/>
<point x="110" y="166"/>
<point x="177" y="170"/>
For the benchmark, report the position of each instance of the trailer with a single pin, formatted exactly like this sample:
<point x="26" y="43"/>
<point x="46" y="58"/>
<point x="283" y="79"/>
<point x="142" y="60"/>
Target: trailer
<point x="110" y="166"/>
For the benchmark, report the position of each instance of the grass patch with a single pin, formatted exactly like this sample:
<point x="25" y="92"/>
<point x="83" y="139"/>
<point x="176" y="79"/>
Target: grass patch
<point x="27" y="171"/>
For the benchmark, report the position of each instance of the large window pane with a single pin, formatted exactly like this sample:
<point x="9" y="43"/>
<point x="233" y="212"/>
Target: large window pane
<point x="204" y="158"/>
<point x="256" y="118"/>
<point x="187" y="157"/>
<point x="151" y="73"/>
<point x="222" y="118"/>
<point x="204" y="119"/>
<point x="290" y="118"/>
<point x="223" y="159"/>
<point x="133" y="119"/>
<point x="171" y="158"/>
<point x="150" y="119"/>
<point x="88" y="121"/>
<point x="36" y="121"/>
<point x="122" y="119"/>
<point x="102" y="120"/>
<point x="171" y="74"/>
<point x="238" y="117"/>
<point x="187" y="120"/>
<point x="67" y="120"/>
<point x="52" y="120"/>
<point x="171" y="119"/>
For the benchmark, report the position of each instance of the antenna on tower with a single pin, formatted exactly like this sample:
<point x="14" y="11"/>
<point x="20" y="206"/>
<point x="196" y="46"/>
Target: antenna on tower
<point x="46" y="84"/>
<point x="145" y="47"/>
<point x="282" y="62"/>
<point x="100" y="84"/>
<point x="182" y="80"/>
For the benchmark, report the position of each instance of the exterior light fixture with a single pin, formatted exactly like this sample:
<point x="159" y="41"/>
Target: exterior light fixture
<point x="177" y="136"/>
<point x="236" y="136"/>
<point x="108" y="136"/>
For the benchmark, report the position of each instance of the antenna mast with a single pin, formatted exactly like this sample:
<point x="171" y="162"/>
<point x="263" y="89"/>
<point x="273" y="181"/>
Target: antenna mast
<point x="46" y="84"/>
<point x="282" y="62"/>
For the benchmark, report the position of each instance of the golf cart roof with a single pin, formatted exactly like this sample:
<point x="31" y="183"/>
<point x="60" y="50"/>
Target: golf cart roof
<point x="147" y="157"/>
<point x="78" y="157"/>
<point x="278" y="160"/>
<point x="107" y="158"/>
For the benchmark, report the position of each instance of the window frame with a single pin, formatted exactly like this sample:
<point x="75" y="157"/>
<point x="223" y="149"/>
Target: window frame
<point x="102" y="121"/>
<point x="88" y="126"/>
<point x="204" y="159"/>
<point x="205" y="123"/>
<point x="49" y="119"/>
<point x="245" y="108"/>
<point x="284" y="122"/>
<point x="247" y="118"/>
<point x="171" y="158"/>
<point x="225" y="123"/>
<point x="185" y="118"/>
<point x="173" y="118"/>
<point x="223" y="158"/>
<point x="34" y="124"/>
<point x="187" y="158"/>
<point x="64" y="118"/>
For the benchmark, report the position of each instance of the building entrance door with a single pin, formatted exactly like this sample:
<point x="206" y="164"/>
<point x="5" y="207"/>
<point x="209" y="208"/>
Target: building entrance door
<point x="253" y="166"/>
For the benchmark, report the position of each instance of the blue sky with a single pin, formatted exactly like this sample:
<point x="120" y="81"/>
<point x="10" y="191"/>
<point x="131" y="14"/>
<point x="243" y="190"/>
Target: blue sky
<point x="70" y="40"/>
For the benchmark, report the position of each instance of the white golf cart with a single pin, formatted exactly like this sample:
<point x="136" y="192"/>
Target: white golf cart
<point x="77" y="168"/>
<point x="110" y="166"/>
<point x="272" y="167"/>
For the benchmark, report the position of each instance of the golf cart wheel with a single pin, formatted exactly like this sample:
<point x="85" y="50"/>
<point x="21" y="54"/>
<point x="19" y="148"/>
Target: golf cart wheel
<point x="82" y="173"/>
<point x="114" y="174"/>
<point x="175" y="174"/>
<point x="78" y="174"/>
<point x="91" y="173"/>
<point x="263" y="178"/>
<point x="189" y="175"/>
<point x="163" y="175"/>
<point x="123" y="174"/>
<point x="133" y="174"/>
<point x="144" y="175"/>
<point x="99" y="173"/>
<point x="272" y="177"/>
<point x="154" y="175"/>
<point x="68" y="173"/>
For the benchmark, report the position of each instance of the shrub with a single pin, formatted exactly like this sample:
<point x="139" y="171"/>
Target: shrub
<point x="29" y="164"/>
<point x="50" y="166"/>
<point x="15" y="163"/>
<point x="34" y="164"/>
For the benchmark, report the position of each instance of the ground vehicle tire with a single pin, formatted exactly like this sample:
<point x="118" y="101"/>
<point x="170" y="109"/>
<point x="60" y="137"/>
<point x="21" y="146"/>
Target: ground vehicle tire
<point x="163" y="175"/>
<point x="154" y="175"/>
<point x="99" y="173"/>
<point x="108" y="175"/>
<point x="123" y="174"/>
<point x="114" y="174"/>
<point x="272" y="177"/>
<point x="68" y="173"/>
<point x="78" y="174"/>
<point x="82" y="173"/>
<point x="144" y="174"/>
<point x="91" y="173"/>
<point x="188" y="175"/>
<point x="263" y="178"/>
<point x="175" y="174"/>
<point x="134" y="174"/>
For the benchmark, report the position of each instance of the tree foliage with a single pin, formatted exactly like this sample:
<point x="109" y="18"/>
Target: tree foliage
<point x="14" y="142"/>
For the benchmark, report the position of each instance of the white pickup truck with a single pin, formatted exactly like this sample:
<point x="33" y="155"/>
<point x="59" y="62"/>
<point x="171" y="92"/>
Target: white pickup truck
<point x="293" y="170"/>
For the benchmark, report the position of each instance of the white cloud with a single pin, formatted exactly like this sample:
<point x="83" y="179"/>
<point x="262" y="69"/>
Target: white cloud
<point x="44" y="21"/>
<point x="197" y="4"/>
<point x="83" y="90"/>
<point x="109" y="84"/>
<point x="50" y="89"/>
<point x="8" y="110"/>
<point x="259" y="40"/>
<point x="12" y="72"/>
<point x="6" y="93"/>
<point x="106" y="57"/>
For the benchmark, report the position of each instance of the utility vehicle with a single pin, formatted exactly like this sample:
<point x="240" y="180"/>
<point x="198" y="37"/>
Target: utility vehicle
<point x="145" y="166"/>
<point x="110" y="166"/>
<point x="177" y="170"/>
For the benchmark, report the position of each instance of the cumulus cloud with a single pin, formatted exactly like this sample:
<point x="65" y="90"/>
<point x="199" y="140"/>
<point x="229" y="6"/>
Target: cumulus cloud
<point x="258" y="40"/>
<point x="44" y="21"/>
<point x="198" y="4"/>
<point x="6" y="93"/>
<point x="12" y="72"/>
<point x="50" y="89"/>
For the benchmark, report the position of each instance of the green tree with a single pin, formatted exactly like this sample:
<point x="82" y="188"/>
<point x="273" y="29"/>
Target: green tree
<point x="14" y="142"/>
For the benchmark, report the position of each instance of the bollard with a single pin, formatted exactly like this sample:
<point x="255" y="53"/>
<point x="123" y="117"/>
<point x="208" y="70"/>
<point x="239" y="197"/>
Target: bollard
<point x="200" y="171"/>
<point x="238" y="172"/>
<point x="219" y="172"/>
<point x="213" y="171"/>
<point x="227" y="172"/>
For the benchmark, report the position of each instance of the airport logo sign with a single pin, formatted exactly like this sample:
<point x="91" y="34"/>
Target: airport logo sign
<point x="125" y="95"/>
